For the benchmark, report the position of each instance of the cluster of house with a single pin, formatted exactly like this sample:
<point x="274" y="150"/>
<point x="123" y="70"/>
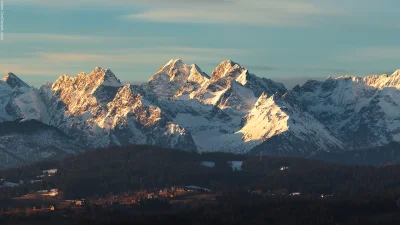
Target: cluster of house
<point x="50" y="208"/>
<point x="274" y="193"/>
<point x="138" y="196"/>
<point x="77" y="202"/>
<point x="51" y="192"/>
<point x="38" y="209"/>
<point x="284" y="192"/>
<point x="283" y="168"/>
<point x="48" y="173"/>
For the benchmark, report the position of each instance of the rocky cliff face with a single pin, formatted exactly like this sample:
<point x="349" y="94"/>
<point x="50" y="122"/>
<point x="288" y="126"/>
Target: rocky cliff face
<point x="99" y="111"/>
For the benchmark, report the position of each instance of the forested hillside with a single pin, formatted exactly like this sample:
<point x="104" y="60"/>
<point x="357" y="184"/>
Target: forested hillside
<point x="124" y="169"/>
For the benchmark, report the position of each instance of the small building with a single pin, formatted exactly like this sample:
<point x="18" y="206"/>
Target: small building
<point x="48" y="173"/>
<point x="326" y="196"/>
<point x="81" y="202"/>
<point x="283" y="168"/>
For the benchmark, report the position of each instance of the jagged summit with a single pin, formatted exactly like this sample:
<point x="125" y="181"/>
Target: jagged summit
<point x="227" y="68"/>
<point x="196" y="68"/>
<point x="98" y="77"/>
<point x="13" y="81"/>
<point x="178" y="64"/>
<point x="197" y="75"/>
<point x="175" y="79"/>
<point x="174" y="70"/>
<point x="172" y="67"/>
<point x="396" y="73"/>
<point x="105" y="76"/>
<point x="228" y="62"/>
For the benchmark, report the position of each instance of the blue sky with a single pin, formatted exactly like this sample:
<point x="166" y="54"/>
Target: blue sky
<point x="285" y="40"/>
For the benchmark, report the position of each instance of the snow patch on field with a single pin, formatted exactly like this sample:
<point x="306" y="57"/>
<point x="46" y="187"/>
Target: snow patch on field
<point x="236" y="165"/>
<point x="208" y="164"/>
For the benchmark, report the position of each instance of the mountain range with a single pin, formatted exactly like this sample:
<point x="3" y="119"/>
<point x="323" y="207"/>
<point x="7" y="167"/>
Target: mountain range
<point x="182" y="107"/>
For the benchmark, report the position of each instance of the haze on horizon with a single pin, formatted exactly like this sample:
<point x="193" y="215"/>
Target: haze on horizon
<point x="287" y="41"/>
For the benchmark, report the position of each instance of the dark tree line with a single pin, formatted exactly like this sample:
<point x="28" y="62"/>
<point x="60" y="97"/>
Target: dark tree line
<point x="129" y="168"/>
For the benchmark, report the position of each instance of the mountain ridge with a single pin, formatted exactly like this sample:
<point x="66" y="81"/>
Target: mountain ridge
<point x="232" y="110"/>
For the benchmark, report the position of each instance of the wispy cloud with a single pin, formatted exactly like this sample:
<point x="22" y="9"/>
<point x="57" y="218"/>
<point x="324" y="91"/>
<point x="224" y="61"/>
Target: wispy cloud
<point x="245" y="12"/>
<point x="370" y="53"/>
<point x="57" y="63"/>
<point x="325" y="70"/>
<point x="46" y="37"/>
<point x="140" y="55"/>
<point x="108" y="3"/>
<point x="27" y="69"/>
<point x="262" y="67"/>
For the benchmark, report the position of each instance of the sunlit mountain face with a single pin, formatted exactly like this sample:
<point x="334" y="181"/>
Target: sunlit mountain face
<point x="232" y="110"/>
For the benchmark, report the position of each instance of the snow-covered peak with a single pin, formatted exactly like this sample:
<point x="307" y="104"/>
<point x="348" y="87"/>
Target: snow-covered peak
<point x="265" y="120"/>
<point x="13" y="81"/>
<point x="172" y="63"/>
<point x="196" y="75"/>
<point x="89" y="83"/>
<point x="126" y="97"/>
<point x="227" y="68"/>
<point x="242" y="78"/>
<point x="227" y="63"/>
<point x="281" y="126"/>
<point x="104" y="77"/>
<point x="174" y="70"/>
<point x="396" y="73"/>
<point x="20" y="101"/>
<point x="176" y="79"/>
<point x="375" y="81"/>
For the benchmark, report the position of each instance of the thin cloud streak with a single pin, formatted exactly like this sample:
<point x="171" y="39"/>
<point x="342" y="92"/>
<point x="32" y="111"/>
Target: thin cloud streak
<point x="141" y="55"/>
<point x="27" y="70"/>
<point x="37" y="37"/>
<point x="370" y="53"/>
<point x="244" y="12"/>
<point x="54" y="63"/>
<point x="249" y="12"/>
<point x="124" y="3"/>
